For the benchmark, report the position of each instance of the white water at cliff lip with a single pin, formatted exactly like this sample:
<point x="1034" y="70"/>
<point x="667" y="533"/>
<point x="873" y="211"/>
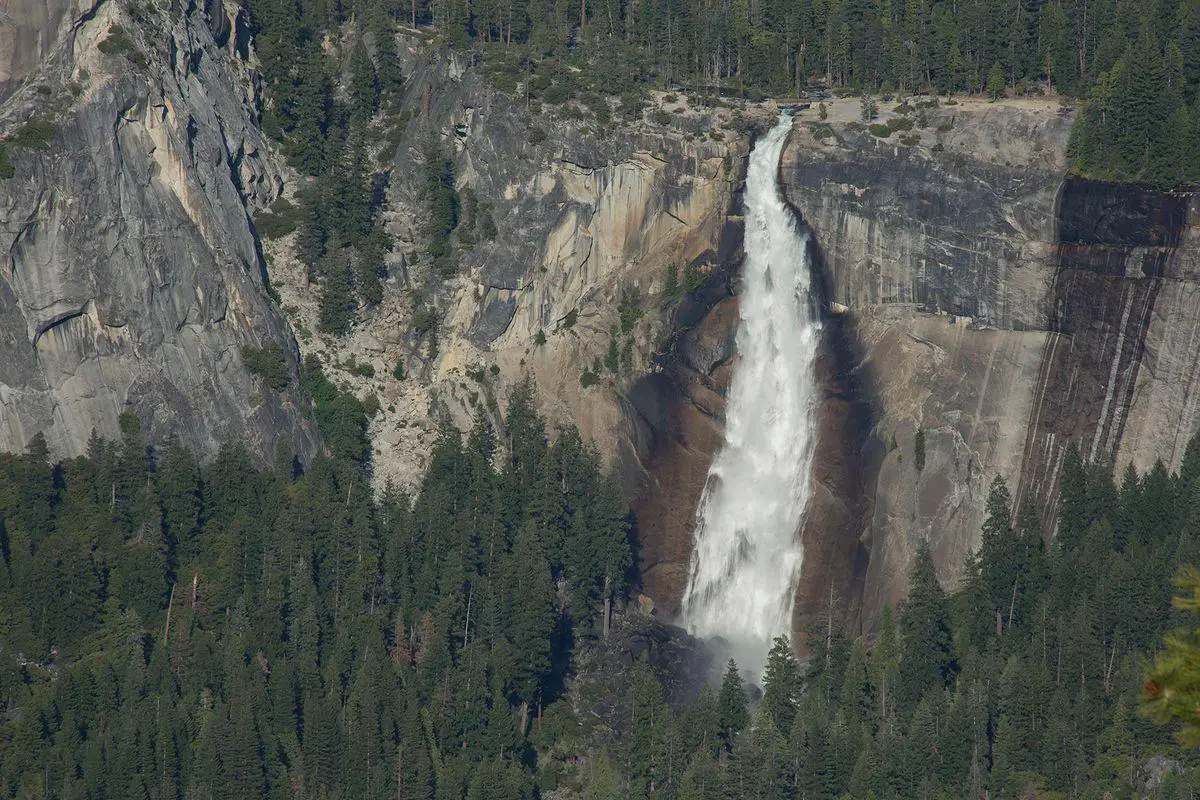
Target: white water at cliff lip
<point x="747" y="553"/>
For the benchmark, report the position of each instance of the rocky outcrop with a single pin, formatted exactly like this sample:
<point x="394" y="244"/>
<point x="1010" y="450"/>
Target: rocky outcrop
<point x="131" y="276"/>
<point x="585" y="214"/>
<point x="998" y="307"/>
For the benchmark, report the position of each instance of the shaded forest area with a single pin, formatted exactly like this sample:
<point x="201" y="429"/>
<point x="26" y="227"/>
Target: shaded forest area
<point x="174" y="631"/>
<point x="169" y="631"/>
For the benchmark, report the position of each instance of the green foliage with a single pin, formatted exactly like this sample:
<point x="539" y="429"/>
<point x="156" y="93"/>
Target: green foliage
<point x="118" y="43"/>
<point x="387" y="61"/>
<point x="361" y="369"/>
<point x="612" y="357"/>
<point x="693" y="276"/>
<point x="269" y="363"/>
<point x="1171" y="693"/>
<point x="884" y="130"/>
<point x="570" y="319"/>
<point x="364" y="85"/>
<point x="443" y="206"/>
<point x="919" y="450"/>
<point x="732" y="709"/>
<point x="36" y="134"/>
<point x="6" y="166"/>
<point x="232" y="631"/>
<point x="339" y="414"/>
<point x="995" y="82"/>
<point x="277" y="221"/>
<point x="928" y="658"/>
<point x="781" y="684"/>
<point x="370" y="266"/>
<point x="337" y="298"/>
<point x="629" y="307"/>
<point x="588" y="379"/>
<point x="671" y="288"/>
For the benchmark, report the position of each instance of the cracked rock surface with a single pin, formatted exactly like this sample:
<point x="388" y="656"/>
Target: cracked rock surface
<point x="130" y="277"/>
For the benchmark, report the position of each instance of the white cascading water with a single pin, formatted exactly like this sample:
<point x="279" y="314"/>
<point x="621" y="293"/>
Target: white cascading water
<point x="747" y="552"/>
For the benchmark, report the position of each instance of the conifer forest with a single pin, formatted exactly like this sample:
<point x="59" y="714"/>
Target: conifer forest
<point x="180" y="628"/>
<point x="236" y="631"/>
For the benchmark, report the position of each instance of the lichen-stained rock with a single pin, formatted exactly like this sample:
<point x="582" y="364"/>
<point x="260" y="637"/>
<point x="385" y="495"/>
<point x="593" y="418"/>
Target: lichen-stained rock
<point x="131" y="276"/>
<point x="1000" y="307"/>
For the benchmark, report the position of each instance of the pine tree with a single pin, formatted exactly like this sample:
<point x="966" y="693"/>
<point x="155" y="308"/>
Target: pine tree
<point x="312" y="106"/>
<point x="885" y="663"/>
<point x="732" y="711"/>
<point x="391" y="81"/>
<point x="702" y="778"/>
<point x="530" y="618"/>
<point x="364" y="85"/>
<point x="1073" y="508"/>
<point x="995" y="82"/>
<point x="781" y="684"/>
<point x="337" y="300"/>
<point x="928" y="653"/>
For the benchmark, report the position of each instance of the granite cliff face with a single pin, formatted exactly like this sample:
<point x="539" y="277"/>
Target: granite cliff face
<point x="972" y="292"/>
<point x="998" y="307"/>
<point x="586" y="214"/>
<point x="131" y="276"/>
<point x="28" y="33"/>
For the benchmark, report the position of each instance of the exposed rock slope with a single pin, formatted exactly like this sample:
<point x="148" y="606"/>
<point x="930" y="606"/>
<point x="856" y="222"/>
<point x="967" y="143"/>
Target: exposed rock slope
<point x="131" y="275"/>
<point x="584" y="213"/>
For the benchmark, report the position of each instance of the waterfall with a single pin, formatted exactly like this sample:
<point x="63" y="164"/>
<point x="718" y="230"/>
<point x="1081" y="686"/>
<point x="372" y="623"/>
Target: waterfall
<point x="747" y="552"/>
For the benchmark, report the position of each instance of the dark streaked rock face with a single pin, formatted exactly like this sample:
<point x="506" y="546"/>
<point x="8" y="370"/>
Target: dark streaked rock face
<point x="677" y="415"/>
<point x="1120" y="248"/>
<point x="131" y="271"/>
<point x="1002" y="308"/>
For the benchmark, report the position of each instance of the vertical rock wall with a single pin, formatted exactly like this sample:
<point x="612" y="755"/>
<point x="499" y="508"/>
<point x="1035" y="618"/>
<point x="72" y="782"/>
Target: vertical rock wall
<point x="1001" y="308"/>
<point x="940" y="252"/>
<point x="1112" y="347"/>
<point x="130" y="276"/>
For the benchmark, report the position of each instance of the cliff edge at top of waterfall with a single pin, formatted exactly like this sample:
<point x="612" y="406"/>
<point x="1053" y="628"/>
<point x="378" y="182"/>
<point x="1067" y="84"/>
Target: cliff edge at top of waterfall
<point x="1010" y="132"/>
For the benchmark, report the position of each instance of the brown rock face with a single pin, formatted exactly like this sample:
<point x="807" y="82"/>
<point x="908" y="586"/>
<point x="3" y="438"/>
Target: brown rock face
<point x="684" y="435"/>
<point x="835" y="556"/>
<point x="681" y="419"/>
